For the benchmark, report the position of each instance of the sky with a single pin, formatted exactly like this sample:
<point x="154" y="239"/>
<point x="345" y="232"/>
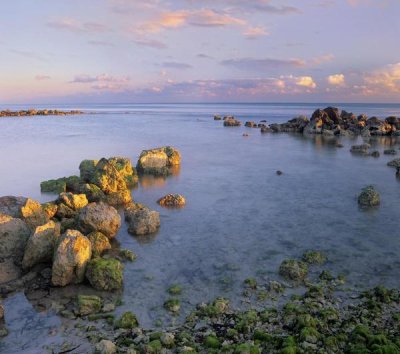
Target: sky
<point x="131" y="51"/>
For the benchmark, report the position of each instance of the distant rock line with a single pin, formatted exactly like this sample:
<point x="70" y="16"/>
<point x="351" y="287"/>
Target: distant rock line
<point x="41" y="112"/>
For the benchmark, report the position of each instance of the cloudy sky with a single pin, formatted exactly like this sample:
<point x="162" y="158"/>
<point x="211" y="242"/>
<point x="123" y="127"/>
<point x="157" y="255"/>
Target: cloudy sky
<point x="199" y="51"/>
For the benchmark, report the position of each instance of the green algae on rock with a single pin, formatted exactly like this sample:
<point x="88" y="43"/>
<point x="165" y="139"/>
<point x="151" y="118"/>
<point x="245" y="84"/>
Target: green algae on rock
<point x="172" y="305"/>
<point x="89" y="304"/>
<point x="314" y="257"/>
<point x="293" y="269"/>
<point x="128" y="320"/>
<point x="369" y="197"/>
<point x="100" y="243"/>
<point x="105" y="274"/>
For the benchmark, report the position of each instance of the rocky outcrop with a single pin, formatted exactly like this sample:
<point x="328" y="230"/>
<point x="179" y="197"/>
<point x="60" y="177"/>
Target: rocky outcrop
<point x="99" y="217"/>
<point x="40" y="112"/>
<point x="369" y="197"/>
<point x="105" y="274"/>
<point x="141" y="220"/>
<point x="158" y="161"/>
<point x="232" y="122"/>
<point x="14" y="235"/>
<point x="41" y="244"/>
<point x="24" y="208"/>
<point x="72" y="254"/>
<point x="172" y="201"/>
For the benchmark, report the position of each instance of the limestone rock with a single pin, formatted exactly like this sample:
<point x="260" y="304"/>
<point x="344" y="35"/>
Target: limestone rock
<point x="105" y="274"/>
<point x="73" y="252"/>
<point x="41" y="244"/>
<point x="99" y="217"/>
<point x="73" y="201"/>
<point x="141" y="220"/>
<point x="172" y="201"/>
<point x="100" y="243"/>
<point x="158" y="161"/>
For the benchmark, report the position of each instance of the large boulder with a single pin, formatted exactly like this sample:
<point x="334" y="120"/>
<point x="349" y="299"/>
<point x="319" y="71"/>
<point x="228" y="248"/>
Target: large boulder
<point x="107" y="177"/>
<point x="14" y="235"/>
<point x="41" y="244"/>
<point x="124" y="166"/>
<point x="158" y="161"/>
<point x="73" y="252"/>
<point x="99" y="217"/>
<point x="105" y="274"/>
<point x="141" y="220"/>
<point x="24" y="208"/>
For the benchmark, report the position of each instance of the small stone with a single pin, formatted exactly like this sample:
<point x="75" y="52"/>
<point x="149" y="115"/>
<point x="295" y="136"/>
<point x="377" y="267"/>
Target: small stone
<point x="127" y="321"/>
<point x="293" y="269"/>
<point x="279" y="173"/>
<point x="168" y="340"/>
<point x="172" y="201"/>
<point x="369" y="197"/>
<point x="106" y="347"/>
<point x="88" y="304"/>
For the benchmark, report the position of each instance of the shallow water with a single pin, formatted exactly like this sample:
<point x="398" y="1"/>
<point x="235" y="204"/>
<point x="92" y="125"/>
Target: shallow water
<point x="241" y="219"/>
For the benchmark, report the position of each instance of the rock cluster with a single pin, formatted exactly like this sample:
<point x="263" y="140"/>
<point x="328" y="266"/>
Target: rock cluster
<point x="230" y="121"/>
<point x="40" y="112"/>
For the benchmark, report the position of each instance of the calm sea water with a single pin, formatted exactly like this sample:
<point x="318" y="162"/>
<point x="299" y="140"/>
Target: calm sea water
<point x="241" y="219"/>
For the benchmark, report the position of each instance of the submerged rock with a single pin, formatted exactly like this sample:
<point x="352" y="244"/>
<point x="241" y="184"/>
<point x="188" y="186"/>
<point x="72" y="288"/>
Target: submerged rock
<point x="314" y="257"/>
<point x="394" y="163"/>
<point x="41" y="244"/>
<point x="105" y="274"/>
<point x="158" y="161"/>
<point x="232" y="122"/>
<point x="89" y="304"/>
<point x="369" y="197"/>
<point x="293" y="269"/>
<point x="141" y="220"/>
<point x="14" y="235"/>
<point x="251" y="124"/>
<point x="390" y="152"/>
<point x="172" y="201"/>
<point x="128" y="320"/>
<point x="360" y="149"/>
<point x="100" y="243"/>
<point x="99" y="217"/>
<point x="73" y="252"/>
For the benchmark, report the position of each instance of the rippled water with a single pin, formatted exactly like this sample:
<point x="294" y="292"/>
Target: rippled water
<point x="241" y="219"/>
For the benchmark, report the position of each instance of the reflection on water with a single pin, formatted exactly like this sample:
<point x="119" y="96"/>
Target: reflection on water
<point x="149" y="181"/>
<point x="241" y="219"/>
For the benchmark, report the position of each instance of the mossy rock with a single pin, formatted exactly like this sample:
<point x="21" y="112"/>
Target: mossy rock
<point x="175" y="289"/>
<point x="172" y="305"/>
<point x="369" y="197"/>
<point x="293" y="269"/>
<point x="87" y="168"/>
<point x="92" y="192"/>
<point x="127" y="321"/>
<point x="100" y="243"/>
<point x="212" y="342"/>
<point x="127" y="255"/>
<point x="246" y="348"/>
<point x="314" y="257"/>
<point x="105" y="274"/>
<point x="89" y="304"/>
<point x="55" y="186"/>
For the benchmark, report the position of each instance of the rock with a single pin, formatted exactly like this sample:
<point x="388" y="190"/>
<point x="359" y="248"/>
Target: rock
<point x="216" y="117"/>
<point x="141" y="220"/>
<point x="172" y="305"/>
<point x="25" y="208"/>
<point x="50" y="209"/>
<point x="394" y="163"/>
<point x="92" y="192"/>
<point x="172" y="201"/>
<point x="124" y="166"/>
<point x="86" y="169"/>
<point x="14" y="235"/>
<point x="390" y="152"/>
<point x="73" y="201"/>
<point x="55" y="186"/>
<point x="231" y="122"/>
<point x="107" y="177"/>
<point x="72" y="254"/>
<point x="158" y="161"/>
<point x="1" y="312"/>
<point x="41" y="244"/>
<point x="105" y="274"/>
<point x="89" y="304"/>
<point x="122" y="197"/>
<point x="100" y="243"/>
<point x="128" y="320"/>
<point x="68" y="223"/>
<point x="266" y="130"/>
<point x="369" y="197"/>
<point x="293" y="269"/>
<point x="168" y="339"/>
<point x="279" y="173"/>
<point x="64" y="211"/>
<point x="105" y="347"/>
<point x="375" y="153"/>
<point x="360" y="149"/>
<point x="99" y="217"/>
<point x="251" y="124"/>
<point x="314" y="257"/>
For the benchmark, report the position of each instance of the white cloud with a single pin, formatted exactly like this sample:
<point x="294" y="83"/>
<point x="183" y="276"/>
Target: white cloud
<point x="336" y="80"/>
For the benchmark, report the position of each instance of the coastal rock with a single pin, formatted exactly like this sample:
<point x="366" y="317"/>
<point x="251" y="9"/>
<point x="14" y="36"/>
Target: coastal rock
<point x="172" y="201"/>
<point x="124" y="166"/>
<point x="128" y="320"/>
<point x="1" y="312"/>
<point x="394" y="163"/>
<point x="107" y="177"/>
<point x="14" y="235"/>
<point x="266" y="130"/>
<point x="158" y="161"/>
<point x="105" y="274"/>
<point x="360" y="149"/>
<point x="100" y="243"/>
<point x="73" y="252"/>
<point x="89" y="304"/>
<point x="232" y="122"/>
<point x="217" y="117"/>
<point x="24" y="208"/>
<point x="390" y="152"/>
<point x="73" y="201"/>
<point x="105" y="347"/>
<point x="41" y="244"/>
<point x="50" y="209"/>
<point x="250" y="124"/>
<point x="141" y="220"/>
<point x="65" y="212"/>
<point x="99" y="217"/>
<point x="122" y="197"/>
<point x="92" y="192"/>
<point x="293" y="270"/>
<point x="87" y="168"/>
<point x="369" y="197"/>
<point x="55" y="186"/>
